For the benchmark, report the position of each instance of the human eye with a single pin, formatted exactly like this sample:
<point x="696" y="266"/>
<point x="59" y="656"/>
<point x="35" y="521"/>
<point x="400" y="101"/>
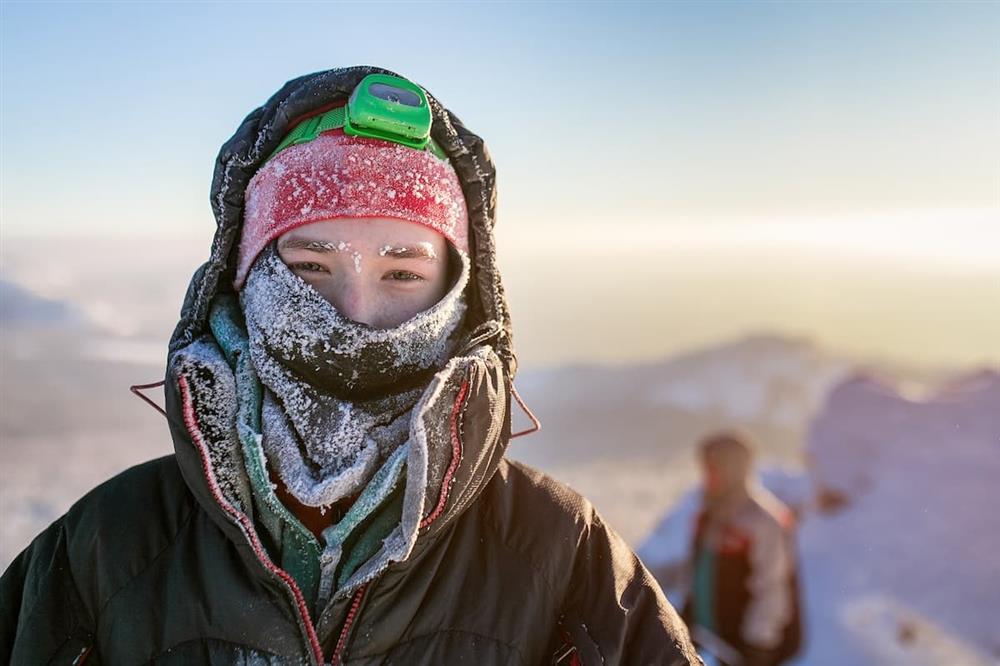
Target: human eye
<point x="402" y="276"/>
<point x="307" y="267"/>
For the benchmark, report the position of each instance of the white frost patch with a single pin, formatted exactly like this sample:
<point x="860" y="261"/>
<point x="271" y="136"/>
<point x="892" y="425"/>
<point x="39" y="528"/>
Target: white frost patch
<point x="427" y="249"/>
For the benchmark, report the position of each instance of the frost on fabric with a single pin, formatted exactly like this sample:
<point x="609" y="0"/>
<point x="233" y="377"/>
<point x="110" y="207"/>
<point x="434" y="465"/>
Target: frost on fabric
<point x="424" y="430"/>
<point x="429" y="454"/>
<point x="407" y="433"/>
<point x="336" y="176"/>
<point x="336" y="453"/>
<point x="324" y="446"/>
<point x="433" y="424"/>
<point x="214" y="394"/>
<point x="294" y="322"/>
<point x="382" y="484"/>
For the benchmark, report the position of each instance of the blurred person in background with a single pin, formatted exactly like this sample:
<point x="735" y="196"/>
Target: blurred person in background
<point x="743" y="606"/>
<point x="339" y="391"/>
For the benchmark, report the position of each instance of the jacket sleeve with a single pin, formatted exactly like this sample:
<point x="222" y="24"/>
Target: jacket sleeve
<point x="42" y="618"/>
<point x="615" y="612"/>
<point x="770" y="605"/>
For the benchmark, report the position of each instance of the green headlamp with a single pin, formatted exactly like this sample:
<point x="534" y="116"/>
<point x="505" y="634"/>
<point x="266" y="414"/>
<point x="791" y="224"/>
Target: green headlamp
<point x="382" y="106"/>
<point x="389" y="108"/>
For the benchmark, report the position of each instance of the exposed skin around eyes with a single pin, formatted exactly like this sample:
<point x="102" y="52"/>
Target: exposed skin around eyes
<point x="375" y="271"/>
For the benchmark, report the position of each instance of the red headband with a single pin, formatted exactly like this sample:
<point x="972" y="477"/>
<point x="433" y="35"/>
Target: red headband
<point x="335" y="176"/>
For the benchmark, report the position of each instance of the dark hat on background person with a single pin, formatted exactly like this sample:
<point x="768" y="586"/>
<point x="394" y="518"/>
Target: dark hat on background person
<point x="731" y="443"/>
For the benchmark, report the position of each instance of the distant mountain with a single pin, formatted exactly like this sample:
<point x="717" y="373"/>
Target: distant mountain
<point x="867" y="423"/>
<point x="67" y="418"/>
<point x="643" y="420"/>
<point x="899" y="524"/>
<point x="38" y="329"/>
<point x="763" y="383"/>
<point x="62" y="372"/>
<point x="19" y="308"/>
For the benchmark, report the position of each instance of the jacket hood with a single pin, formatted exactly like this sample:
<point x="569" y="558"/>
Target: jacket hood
<point x="460" y="428"/>
<point x="259" y="135"/>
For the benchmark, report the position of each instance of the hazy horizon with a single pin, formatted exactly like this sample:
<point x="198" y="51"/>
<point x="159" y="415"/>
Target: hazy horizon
<point x="670" y="175"/>
<point x="595" y="300"/>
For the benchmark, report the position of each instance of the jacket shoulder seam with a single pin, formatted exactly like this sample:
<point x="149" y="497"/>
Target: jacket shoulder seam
<point x="168" y="546"/>
<point x="524" y="556"/>
<point x="491" y="521"/>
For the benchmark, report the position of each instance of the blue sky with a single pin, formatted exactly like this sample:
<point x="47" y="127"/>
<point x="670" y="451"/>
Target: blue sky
<point x="640" y="113"/>
<point x="701" y="170"/>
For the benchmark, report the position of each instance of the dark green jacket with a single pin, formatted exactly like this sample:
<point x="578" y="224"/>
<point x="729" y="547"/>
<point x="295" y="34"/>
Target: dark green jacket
<point x="166" y="563"/>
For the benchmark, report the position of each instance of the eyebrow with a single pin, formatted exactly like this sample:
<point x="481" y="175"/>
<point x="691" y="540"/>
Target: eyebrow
<point x="298" y="243"/>
<point x="419" y="251"/>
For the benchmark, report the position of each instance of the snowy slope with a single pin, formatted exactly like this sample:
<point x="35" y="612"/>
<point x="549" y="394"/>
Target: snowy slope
<point x="904" y="567"/>
<point x="20" y="309"/>
<point x="624" y="436"/>
<point x="67" y="418"/>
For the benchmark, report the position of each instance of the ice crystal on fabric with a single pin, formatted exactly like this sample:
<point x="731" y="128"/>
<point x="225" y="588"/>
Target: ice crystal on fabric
<point x="309" y="356"/>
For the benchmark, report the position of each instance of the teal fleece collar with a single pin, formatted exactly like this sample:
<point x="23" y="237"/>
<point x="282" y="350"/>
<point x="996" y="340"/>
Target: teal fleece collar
<point x="318" y="569"/>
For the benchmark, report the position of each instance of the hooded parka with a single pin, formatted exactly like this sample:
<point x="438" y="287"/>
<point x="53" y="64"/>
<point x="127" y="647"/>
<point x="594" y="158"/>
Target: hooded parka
<point x="167" y="562"/>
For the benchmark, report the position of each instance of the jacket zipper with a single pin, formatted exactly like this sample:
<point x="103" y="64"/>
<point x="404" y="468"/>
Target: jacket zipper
<point x="359" y="596"/>
<point x="352" y="616"/>
<point x="354" y="611"/>
<point x="299" y="603"/>
<point x="191" y="422"/>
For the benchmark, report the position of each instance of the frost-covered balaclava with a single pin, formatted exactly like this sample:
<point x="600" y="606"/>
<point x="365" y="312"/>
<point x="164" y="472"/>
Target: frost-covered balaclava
<point x="339" y="393"/>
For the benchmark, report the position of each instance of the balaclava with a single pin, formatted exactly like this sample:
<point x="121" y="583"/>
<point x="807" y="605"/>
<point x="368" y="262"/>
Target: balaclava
<point x="338" y="393"/>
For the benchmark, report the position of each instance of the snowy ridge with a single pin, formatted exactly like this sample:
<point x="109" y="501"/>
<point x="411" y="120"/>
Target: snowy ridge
<point x="625" y="435"/>
<point x="899" y="525"/>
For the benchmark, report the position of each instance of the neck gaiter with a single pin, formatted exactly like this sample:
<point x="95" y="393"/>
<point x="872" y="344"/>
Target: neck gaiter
<point x="337" y="393"/>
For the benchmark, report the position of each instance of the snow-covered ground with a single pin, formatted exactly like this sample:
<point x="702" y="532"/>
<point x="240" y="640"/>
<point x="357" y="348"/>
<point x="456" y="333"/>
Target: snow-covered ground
<point x="900" y="527"/>
<point x="905" y="573"/>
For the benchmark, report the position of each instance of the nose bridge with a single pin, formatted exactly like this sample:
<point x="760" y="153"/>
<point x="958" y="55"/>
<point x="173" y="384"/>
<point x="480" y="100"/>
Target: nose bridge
<point x="351" y="297"/>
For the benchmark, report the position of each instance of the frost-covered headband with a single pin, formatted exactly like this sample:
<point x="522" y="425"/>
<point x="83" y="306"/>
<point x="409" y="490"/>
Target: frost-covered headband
<point x="336" y="176"/>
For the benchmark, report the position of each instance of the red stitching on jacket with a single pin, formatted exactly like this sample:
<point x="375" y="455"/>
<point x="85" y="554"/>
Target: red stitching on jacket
<point x="348" y="621"/>
<point x="191" y="421"/>
<point x="567" y="650"/>
<point x="456" y="455"/>
<point x="82" y="657"/>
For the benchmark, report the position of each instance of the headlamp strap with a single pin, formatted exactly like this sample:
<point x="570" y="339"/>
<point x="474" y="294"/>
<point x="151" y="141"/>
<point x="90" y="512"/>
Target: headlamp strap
<point x="336" y="118"/>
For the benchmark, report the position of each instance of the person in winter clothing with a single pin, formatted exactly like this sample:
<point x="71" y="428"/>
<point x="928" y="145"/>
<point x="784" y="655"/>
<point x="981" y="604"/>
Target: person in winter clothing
<point x="338" y="390"/>
<point x="744" y="601"/>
